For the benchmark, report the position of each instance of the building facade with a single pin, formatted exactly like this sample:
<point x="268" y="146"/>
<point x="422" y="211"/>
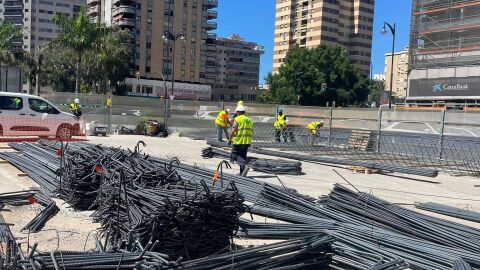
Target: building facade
<point x="150" y="21"/>
<point x="400" y="73"/>
<point x="236" y="69"/>
<point x="444" y="51"/>
<point x="35" y="17"/>
<point x="310" y="23"/>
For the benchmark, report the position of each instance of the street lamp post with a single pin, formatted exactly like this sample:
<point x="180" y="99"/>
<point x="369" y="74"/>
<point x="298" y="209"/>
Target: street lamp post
<point x="384" y="32"/>
<point x="169" y="36"/>
<point x="165" y="100"/>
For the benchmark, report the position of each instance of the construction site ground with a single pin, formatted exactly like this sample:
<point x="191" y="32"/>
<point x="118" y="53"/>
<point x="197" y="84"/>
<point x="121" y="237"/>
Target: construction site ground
<point x="73" y="230"/>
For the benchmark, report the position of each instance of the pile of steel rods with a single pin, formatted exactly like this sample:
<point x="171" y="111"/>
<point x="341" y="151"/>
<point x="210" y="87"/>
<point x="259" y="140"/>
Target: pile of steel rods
<point x="49" y="211"/>
<point x="369" y="225"/>
<point x="449" y="211"/>
<point x="302" y="253"/>
<point x="269" y="166"/>
<point x="31" y="197"/>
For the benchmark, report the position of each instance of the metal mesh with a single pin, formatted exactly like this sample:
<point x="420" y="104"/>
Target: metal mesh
<point x="455" y="154"/>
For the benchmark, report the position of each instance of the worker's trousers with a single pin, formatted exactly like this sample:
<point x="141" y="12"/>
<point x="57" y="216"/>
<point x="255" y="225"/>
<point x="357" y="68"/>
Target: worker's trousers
<point x="239" y="155"/>
<point x="220" y="131"/>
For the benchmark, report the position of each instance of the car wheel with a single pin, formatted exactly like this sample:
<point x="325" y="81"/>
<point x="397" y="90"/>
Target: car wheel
<point x="64" y="132"/>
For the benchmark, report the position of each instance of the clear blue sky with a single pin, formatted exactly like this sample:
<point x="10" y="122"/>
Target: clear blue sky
<point x="255" y="21"/>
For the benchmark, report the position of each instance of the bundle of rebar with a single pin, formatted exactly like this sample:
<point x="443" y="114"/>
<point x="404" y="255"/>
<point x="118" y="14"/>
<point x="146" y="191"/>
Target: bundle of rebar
<point x="41" y="219"/>
<point x="303" y="253"/>
<point x="365" y="223"/>
<point x="189" y="220"/>
<point x="269" y="166"/>
<point x="449" y="211"/>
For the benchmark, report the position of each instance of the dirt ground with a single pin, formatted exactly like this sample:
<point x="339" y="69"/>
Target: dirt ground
<point x="74" y="227"/>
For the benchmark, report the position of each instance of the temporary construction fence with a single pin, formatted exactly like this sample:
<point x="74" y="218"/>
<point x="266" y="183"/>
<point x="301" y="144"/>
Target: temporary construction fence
<point x="34" y="126"/>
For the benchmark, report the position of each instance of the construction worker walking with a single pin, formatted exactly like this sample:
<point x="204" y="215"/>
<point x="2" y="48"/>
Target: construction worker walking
<point x="241" y="137"/>
<point x="314" y="129"/>
<point x="75" y="108"/>
<point x="222" y="124"/>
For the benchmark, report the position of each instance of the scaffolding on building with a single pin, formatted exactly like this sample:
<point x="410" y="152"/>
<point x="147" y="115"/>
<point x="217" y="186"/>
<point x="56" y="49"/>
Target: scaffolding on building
<point x="445" y="33"/>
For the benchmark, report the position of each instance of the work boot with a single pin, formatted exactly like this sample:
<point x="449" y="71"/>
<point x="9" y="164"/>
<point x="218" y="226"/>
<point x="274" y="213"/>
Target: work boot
<point x="242" y="168"/>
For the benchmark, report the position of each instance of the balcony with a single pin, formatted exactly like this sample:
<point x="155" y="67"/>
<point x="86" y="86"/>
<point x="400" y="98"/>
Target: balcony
<point x="211" y="3"/>
<point x="212" y="14"/>
<point x="122" y="10"/>
<point x="211" y="26"/>
<point x="94" y="10"/>
<point x="126" y="22"/>
<point x="93" y="2"/>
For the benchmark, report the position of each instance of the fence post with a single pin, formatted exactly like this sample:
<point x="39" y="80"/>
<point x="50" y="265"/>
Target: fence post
<point x="330" y="123"/>
<point x="109" y="130"/>
<point x="379" y="128"/>
<point x="442" y="130"/>
<point x="223" y="105"/>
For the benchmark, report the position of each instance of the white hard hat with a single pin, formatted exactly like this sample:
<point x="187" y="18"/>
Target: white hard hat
<point x="228" y="110"/>
<point x="76" y="100"/>
<point x="240" y="109"/>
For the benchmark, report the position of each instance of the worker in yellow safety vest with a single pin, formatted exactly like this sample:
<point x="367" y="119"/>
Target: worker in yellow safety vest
<point x="241" y="137"/>
<point x="314" y="128"/>
<point x="281" y="128"/>
<point x="222" y="124"/>
<point x="75" y="108"/>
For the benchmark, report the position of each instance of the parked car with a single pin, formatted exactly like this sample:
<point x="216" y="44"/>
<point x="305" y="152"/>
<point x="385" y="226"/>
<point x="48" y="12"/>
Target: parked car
<point x="27" y="115"/>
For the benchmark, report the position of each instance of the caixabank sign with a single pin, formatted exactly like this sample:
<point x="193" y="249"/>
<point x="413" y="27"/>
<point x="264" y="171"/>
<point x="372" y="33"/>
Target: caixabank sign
<point x="444" y="88"/>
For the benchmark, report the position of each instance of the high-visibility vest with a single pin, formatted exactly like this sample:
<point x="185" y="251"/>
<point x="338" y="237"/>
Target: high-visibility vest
<point x="221" y="119"/>
<point x="74" y="106"/>
<point x="313" y="127"/>
<point x="109" y="102"/>
<point x="244" y="130"/>
<point x="281" y="122"/>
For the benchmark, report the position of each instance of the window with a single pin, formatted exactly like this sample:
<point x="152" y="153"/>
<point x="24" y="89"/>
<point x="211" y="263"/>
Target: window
<point x="41" y="106"/>
<point x="11" y="103"/>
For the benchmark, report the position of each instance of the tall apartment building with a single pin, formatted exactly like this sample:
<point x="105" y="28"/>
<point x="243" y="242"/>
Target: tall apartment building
<point x="400" y="72"/>
<point x="35" y="18"/>
<point x="310" y="23"/>
<point x="445" y="51"/>
<point x="236" y="68"/>
<point x="148" y="21"/>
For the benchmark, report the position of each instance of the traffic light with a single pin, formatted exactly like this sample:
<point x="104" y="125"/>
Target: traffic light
<point x="137" y="75"/>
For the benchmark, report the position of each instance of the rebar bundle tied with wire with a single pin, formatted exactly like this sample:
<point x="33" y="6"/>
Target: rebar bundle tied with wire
<point x="366" y="224"/>
<point x="269" y="166"/>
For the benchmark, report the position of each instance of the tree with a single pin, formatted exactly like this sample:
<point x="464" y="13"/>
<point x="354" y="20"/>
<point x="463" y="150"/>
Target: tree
<point x="300" y="79"/>
<point x="9" y="33"/>
<point x="79" y="34"/>
<point x="58" y="68"/>
<point x="107" y="62"/>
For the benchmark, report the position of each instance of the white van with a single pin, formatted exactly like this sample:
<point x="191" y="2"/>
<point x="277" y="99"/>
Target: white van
<point x="27" y="115"/>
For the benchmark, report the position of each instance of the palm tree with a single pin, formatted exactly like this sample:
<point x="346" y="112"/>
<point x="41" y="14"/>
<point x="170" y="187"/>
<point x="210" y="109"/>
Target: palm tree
<point x="108" y="59"/>
<point x="79" y="34"/>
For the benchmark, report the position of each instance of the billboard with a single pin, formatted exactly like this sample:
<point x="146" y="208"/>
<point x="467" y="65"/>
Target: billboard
<point x="444" y="88"/>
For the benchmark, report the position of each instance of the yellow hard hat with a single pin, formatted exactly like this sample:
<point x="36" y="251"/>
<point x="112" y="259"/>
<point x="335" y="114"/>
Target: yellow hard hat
<point x="240" y="104"/>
